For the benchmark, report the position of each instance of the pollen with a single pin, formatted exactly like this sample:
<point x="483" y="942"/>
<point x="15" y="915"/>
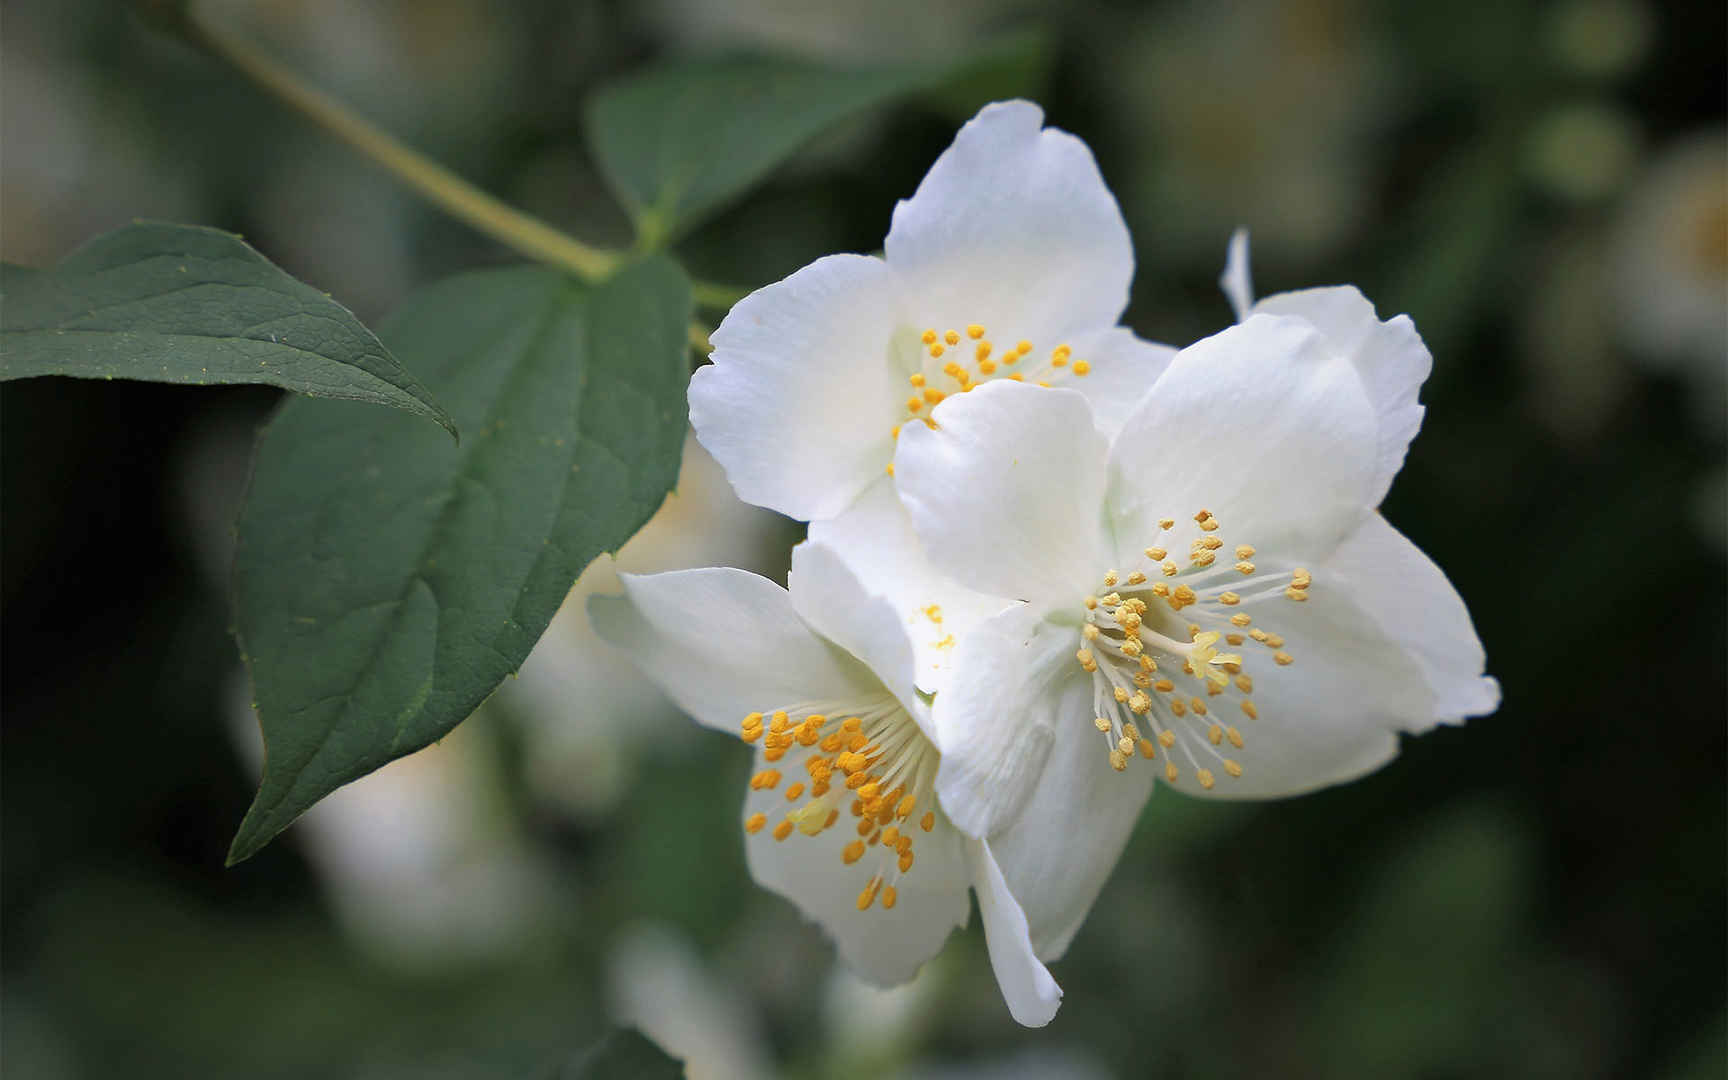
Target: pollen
<point x="952" y="337"/>
<point x="974" y="331"/>
<point x="754" y="823"/>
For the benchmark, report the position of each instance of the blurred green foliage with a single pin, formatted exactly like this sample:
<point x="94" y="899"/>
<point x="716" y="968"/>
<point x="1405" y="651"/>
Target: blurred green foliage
<point x="1539" y="893"/>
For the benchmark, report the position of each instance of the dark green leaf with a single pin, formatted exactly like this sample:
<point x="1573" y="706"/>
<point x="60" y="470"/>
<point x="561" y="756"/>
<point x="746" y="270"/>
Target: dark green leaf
<point x="678" y="141"/>
<point x="386" y="581"/>
<point x="623" y="1054"/>
<point x="185" y="304"/>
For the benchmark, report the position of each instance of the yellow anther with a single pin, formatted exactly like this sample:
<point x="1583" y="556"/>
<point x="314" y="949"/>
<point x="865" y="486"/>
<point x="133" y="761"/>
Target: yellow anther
<point x="1178" y="708"/>
<point x="952" y="337"/>
<point x="1244" y="551"/>
<point x="933" y="395"/>
<point x="1081" y="367"/>
<point x="1136" y="578"/>
<point x="1110" y="599"/>
<point x="936" y="351"/>
<point x="1181" y="596"/>
<point x="1282" y="659"/>
<point x="779" y="722"/>
<point x="929" y="337"/>
<point x="1109" y="577"/>
<point x="1166" y="523"/>
<point x="1090" y="631"/>
<point x="1258" y="634"/>
<point x="1101" y="723"/>
<point x="1198" y="706"/>
<point x="1203" y="559"/>
<point x="1139" y="704"/>
<point x="1233" y="768"/>
<point x="868" y="896"/>
<point x="1293" y="593"/>
<point x="1240" y="618"/>
<point x="1163" y="686"/>
<point x="913" y="404"/>
<point x="1060" y="354"/>
<point x="953" y="370"/>
<point x="1118" y="760"/>
<point x="1212" y="543"/>
<point x="904" y="810"/>
<point x="1209" y="524"/>
<point x="1275" y="641"/>
<point x="1156" y="553"/>
<point x="1300" y="578"/>
<point x="1230" y="599"/>
<point x="905" y="860"/>
<point x="1136" y="605"/>
<point x="1141" y="679"/>
<point x="793" y="792"/>
<point x="889" y="468"/>
<point x="1145" y="747"/>
<point x="1166" y="738"/>
<point x="1215" y="734"/>
<point x="753" y="824"/>
<point x="986" y="365"/>
<point x="1250" y="710"/>
<point x="1245" y="568"/>
<point x="1016" y="377"/>
<point x="1234" y="736"/>
<point x="889" y="898"/>
<point x="1148" y="664"/>
<point x="783" y="830"/>
<point x="1245" y="683"/>
<point x="1132" y="647"/>
<point x="866" y="827"/>
<point x="869" y="792"/>
<point x="753" y="720"/>
<point x="928" y="821"/>
<point x="1160" y="589"/>
<point x="1125" y="744"/>
<point x="852" y="725"/>
<point x="852" y="852"/>
<point x="917" y="381"/>
<point x="974" y="331"/>
<point x="1023" y="347"/>
<point x="1169" y="569"/>
<point x="891" y="836"/>
<point x="765" y="779"/>
<point x="1170" y="772"/>
<point x="751" y="734"/>
<point x="1120" y="694"/>
<point x="1205" y="778"/>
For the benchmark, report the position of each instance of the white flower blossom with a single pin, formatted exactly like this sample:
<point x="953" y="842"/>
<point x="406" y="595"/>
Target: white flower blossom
<point x="1211" y="599"/>
<point x="1010" y="262"/>
<point x="841" y="812"/>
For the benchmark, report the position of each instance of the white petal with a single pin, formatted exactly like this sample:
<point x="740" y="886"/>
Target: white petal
<point x="1330" y="716"/>
<point x="884" y="947"/>
<point x="875" y="539"/>
<point x="1236" y="281"/>
<point x="1123" y="369"/>
<point x="1032" y="995"/>
<point x="1013" y="229"/>
<point x="805" y="388"/>
<point x="1060" y="851"/>
<point x="1006" y="493"/>
<point x="1391" y="581"/>
<point x="997" y="717"/>
<point x="722" y="643"/>
<point x="830" y="600"/>
<point x="1389" y="356"/>
<point x="1262" y="424"/>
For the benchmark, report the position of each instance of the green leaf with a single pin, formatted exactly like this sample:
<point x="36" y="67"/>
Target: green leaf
<point x="620" y="1053"/>
<point x="386" y="581"/>
<point x="186" y="304"/>
<point x="677" y="142"/>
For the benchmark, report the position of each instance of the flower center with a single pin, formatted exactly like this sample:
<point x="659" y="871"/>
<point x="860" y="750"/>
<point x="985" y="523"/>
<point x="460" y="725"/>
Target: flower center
<point x="866" y="756"/>
<point x="1151" y="666"/>
<point x="954" y="364"/>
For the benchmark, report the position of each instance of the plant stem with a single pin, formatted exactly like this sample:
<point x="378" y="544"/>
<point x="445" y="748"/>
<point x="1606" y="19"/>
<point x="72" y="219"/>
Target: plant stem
<point x="457" y="196"/>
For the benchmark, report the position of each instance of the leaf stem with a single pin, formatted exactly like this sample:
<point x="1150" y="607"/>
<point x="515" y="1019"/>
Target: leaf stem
<point x="463" y="200"/>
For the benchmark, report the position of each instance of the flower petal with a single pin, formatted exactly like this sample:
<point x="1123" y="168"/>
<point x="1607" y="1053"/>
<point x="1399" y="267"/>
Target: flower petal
<point x="883" y="946"/>
<point x="998" y="715"/>
<point x="830" y="600"/>
<point x="1060" y="851"/>
<point x="1013" y="229"/>
<point x="805" y="389"/>
<point x="722" y="643"/>
<point x="1392" y="582"/>
<point x="1031" y="993"/>
<point x="1264" y="425"/>
<point x="875" y="539"/>
<point x="1389" y="356"/>
<point x="1006" y="491"/>
<point x="1329" y="716"/>
<point x="1122" y="369"/>
<point x="1236" y="281"/>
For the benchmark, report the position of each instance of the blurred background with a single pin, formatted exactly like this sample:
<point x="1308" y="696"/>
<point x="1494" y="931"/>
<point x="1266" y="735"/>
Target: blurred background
<point x="1540" y="183"/>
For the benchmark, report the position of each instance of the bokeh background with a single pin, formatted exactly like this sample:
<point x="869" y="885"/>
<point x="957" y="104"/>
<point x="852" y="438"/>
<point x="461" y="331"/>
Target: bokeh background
<point x="1539" y="183"/>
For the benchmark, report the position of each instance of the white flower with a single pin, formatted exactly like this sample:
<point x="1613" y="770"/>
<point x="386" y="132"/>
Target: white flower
<point x="1010" y="262"/>
<point x="841" y="812"/>
<point x="1211" y="599"/>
